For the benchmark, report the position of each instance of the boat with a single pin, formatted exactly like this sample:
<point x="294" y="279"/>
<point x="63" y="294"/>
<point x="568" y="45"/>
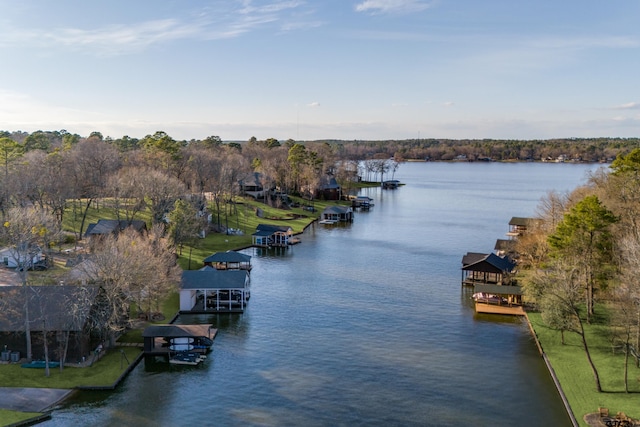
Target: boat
<point x="40" y="364"/>
<point x="328" y="221"/>
<point x="186" y="358"/>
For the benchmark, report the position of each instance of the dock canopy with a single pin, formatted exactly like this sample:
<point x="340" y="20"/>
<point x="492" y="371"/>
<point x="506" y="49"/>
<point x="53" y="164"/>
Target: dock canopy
<point x="230" y="260"/>
<point x="486" y="268"/>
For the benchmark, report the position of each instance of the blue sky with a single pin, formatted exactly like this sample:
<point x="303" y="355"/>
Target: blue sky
<point x="303" y="69"/>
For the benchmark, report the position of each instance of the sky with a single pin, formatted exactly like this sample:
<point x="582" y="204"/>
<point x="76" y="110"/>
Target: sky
<point x="322" y="69"/>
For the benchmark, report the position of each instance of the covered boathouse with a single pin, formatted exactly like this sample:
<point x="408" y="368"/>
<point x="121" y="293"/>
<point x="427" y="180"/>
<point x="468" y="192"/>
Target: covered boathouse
<point x="494" y="290"/>
<point x="162" y="340"/>
<point x="267" y="235"/>
<point x="214" y="291"/>
<point x="230" y="260"/>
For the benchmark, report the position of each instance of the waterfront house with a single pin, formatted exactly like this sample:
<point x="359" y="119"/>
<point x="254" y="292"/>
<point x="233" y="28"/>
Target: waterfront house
<point x="333" y="214"/>
<point x="63" y="312"/>
<point x="209" y="290"/>
<point x="251" y="185"/>
<point x="229" y="260"/>
<point x="272" y="235"/>
<point x="106" y="227"/>
<point x="329" y="189"/>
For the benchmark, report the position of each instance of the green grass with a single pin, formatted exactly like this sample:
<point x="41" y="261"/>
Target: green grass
<point x="8" y="418"/>
<point x="247" y="220"/>
<point x="103" y="373"/>
<point x="570" y="364"/>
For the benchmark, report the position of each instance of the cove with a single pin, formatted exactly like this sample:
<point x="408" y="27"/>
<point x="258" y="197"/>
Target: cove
<point x="366" y="323"/>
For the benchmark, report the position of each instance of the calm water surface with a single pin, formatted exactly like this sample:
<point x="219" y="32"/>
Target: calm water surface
<point x="366" y="324"/>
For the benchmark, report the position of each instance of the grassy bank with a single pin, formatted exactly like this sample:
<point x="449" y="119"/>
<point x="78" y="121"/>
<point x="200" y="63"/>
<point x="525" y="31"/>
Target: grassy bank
<point x="570" y="364"/>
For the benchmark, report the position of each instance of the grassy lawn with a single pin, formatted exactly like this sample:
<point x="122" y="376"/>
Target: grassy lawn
<point x="8" y="418"/>
<point x="574" y="373"/>
<point x="103" y="373"/>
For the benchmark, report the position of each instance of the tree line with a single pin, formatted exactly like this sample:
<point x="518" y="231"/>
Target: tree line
<point x="583" y="256"/>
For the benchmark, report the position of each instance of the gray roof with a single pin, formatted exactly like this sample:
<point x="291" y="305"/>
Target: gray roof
<point x="273" y="228"/>
<point x="490" y="263"/>
<point x="336" y="209"/>
<point x="178" y="331"/>
<point x="61" y="307"/>
<point x="112" y="226"/>
<point x="523" y="222"/>
<point x="210" y="278"/>
<point x="229" y="256"/>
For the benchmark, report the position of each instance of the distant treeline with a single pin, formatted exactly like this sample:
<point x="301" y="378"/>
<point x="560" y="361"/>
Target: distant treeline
<point x="567" y="149"/>
<point x="563" y="149"/>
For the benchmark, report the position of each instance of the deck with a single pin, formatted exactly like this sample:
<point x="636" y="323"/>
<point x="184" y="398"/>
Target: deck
<point x="513" y="310"/>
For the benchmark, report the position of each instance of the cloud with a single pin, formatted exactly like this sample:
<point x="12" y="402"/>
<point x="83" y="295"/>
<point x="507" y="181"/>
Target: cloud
<point x="313" y="104"/>
<point x="628" y="106"/>
<point x="392" y="6"/>
<point x="449" y="104"/>
<point x="133" y="37"/>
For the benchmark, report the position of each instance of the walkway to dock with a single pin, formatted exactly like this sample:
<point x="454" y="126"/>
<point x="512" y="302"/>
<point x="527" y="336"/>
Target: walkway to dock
<point x="31" y="399"/>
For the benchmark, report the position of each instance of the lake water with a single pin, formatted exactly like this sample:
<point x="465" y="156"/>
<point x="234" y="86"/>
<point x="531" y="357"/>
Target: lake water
<point x="366" y="324"/>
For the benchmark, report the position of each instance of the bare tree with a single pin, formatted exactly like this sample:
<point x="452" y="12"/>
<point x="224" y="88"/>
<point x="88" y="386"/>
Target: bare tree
<point x="25" y="231"/>
<point x="558" y="292"/>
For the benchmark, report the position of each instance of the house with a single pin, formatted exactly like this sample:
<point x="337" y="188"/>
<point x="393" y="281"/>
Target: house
<point x="333" y="214"/>
<point x="329" y="189"/>
<point x="229" y="260"/>
<point x="272" y="235"/>
<point x="106" y="227"/>
<point x="209" y="290"/>
<point x="33" y="258"/>
<point x="49" y="310"/>
<point x="252" y="186"/>
<point x="486" y="268"/>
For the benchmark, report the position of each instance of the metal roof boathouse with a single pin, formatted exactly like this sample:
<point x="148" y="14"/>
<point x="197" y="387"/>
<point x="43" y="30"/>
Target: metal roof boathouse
<point x="209" y="290"/>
